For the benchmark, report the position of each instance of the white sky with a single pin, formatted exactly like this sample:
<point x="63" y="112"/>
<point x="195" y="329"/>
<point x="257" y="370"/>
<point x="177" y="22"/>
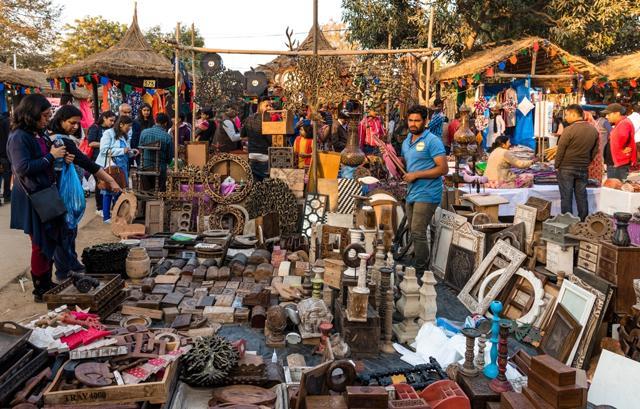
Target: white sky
<point x="232" y="24"/>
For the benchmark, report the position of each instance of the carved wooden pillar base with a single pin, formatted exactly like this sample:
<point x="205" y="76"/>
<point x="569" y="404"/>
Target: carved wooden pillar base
<point x="406" y="331"/>
<point x="357" y="301"/>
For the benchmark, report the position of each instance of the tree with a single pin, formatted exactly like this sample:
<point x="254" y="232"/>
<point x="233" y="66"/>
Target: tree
<point x="336" y="34"/>
<point x="86" y="37"/>
<point x="583" y="27"/>
<point x="159" y="40"/>
<point x="28" y="28"/>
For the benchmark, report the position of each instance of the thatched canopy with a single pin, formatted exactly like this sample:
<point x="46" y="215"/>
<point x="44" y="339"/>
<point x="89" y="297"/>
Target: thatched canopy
<point x="24" y="78"/>
<point x="622" y="67"/>
<point x="284" y="62"/>
<point x="548" y="62"/>
<point x="131" y="61"/>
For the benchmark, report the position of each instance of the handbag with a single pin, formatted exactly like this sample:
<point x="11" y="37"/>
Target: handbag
<point x="85" y="148"/>
<point x="46" y="202"/>
<point x="114" y="171"/>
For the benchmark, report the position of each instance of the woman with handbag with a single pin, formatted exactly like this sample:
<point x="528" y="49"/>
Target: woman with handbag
<point x="36" y="206"/>
<point x="115" y="151"/>
<point x="94" y="134"/>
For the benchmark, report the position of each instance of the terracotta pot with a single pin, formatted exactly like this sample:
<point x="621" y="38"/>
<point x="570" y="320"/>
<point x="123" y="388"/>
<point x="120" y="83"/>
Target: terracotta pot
<point x="138" y="263"/>
<point x="352" y="155"/>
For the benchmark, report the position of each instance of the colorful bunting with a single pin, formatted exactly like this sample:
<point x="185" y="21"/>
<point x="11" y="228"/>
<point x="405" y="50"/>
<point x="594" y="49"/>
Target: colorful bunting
<point x="489" y="72"/>
<point x="502" y="65"/>
<point x="536" y="46"/>
<point x="104" y="80"/>
<point x="513" y="59"/>
<point x="588" y="84"/>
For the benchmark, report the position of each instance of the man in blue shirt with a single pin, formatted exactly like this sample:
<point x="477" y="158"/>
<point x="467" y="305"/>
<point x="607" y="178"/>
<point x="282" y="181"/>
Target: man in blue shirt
<point x="156" y="136"/>
<point x="426" y="163"/>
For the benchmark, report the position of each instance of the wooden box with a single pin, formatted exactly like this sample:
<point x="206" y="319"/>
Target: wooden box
<point x="515" y="400"/>
<point x="559" y="258"/>
<point x="554" y="371"/>
<point x="326" y="402"/>
<point x="619" y="265"/>
<point x="556" y="228"/>
<point x="367" y="397"/>
<point x="197" y="153"/>
<point x="561" y="397"/>
<point x="282" y="127"/>
<point x="153" y="392"/>
<point x="362" y="337"/>
<point x="223" y="315"/>
<point x="477" y="390"/>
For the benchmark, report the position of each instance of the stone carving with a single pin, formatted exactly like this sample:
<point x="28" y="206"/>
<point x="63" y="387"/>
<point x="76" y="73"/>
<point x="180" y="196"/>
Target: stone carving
<point x="428" y="306"/>
<point x="312" y="312"/>
<point x="409" y="307"/>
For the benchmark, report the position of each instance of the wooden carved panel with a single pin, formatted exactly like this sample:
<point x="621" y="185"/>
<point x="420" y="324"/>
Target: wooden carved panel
<point x="460" y="267"/>
<point x="501" y="249"/>
<point x="527" y="215"/>
<point x="280" y="158"/>
<point x="449" y="222"/>
<point x="465" y="236"/>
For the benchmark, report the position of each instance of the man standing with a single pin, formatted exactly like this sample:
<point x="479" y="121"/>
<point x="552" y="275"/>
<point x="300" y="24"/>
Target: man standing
<point x="157" y="135"/>
<point x="340" y="132"/>
<point x="577" y="147"/>
<point x="437" y="119"/>
<point x="258" y="144"/>
<point x="426" y="162"/>
<point x="621" y="147"/>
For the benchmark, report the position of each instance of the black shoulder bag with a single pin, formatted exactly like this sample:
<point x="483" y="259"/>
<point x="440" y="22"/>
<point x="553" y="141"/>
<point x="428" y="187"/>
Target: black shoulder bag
<point x="46" y="202"/>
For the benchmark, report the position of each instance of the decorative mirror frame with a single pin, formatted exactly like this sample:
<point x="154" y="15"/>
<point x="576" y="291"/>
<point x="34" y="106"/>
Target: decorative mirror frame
<point x="211" y="176"/>
<point x="440" y="248"/>
<point x="561" y="316"/>
<point x="219" y="213"/>
<point x="527" y="215"/>
<point x="308" y="212"/>
<point x="466" y="237"/>
<point x="327" y="230"/>
<point x="589" y="300"/>
<point x="538" y="294"/>
<point x="514" y="257"/>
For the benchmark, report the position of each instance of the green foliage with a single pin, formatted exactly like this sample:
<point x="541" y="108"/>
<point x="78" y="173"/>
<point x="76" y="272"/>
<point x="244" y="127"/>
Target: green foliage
<point x="28" y="28"/>
<point x="86" y="37"/>
<point x="158" y="39"/>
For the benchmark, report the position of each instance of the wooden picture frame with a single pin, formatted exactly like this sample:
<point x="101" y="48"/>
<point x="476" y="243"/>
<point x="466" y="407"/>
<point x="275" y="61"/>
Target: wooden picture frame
<point x="528" y="303"/>
<point x="579" y="302"/>
<point x="460" y="267"/>
<point x="513" y="235"/>
<point x="449" y="222"/>
<point x="527" y="215"/>
<point x="197" y="153"/>
<point x="501" y="250"/>
<point x="470" y="239"/>
<point x="327" y="239"/>
<point x="561" y="335"/>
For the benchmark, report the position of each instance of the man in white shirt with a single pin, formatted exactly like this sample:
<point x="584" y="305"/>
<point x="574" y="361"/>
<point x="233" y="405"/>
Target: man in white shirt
<point x="635" y="120"/>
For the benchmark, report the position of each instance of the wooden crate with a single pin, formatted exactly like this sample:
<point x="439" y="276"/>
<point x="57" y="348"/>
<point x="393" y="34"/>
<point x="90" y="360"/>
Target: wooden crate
<point x="153" y="392"/>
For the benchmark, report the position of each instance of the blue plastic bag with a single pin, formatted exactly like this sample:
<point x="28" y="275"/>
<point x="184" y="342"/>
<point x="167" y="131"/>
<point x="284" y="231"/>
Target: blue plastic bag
<point x="72" y="195"/>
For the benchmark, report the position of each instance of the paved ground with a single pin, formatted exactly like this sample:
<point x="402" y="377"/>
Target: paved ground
<point x="16" y="304"/>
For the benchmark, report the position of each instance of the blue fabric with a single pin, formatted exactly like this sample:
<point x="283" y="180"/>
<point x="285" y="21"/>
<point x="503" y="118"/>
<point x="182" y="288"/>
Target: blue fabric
<point x="3" y="101"/>
<point x="523" y="134"/>
<point x="419" y="156"/>
<point x="153" y="135"/>
<point x="65" y="257"/>
<point x="435" y="125"/>
<point x="72" y="195"/>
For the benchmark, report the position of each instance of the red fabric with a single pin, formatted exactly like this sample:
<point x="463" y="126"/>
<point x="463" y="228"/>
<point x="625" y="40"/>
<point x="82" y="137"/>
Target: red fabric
<point x="453" y="128"/>
<point x="369" y="129"/>
<point x="622" y="136"/>
<point x="40" y="264"/>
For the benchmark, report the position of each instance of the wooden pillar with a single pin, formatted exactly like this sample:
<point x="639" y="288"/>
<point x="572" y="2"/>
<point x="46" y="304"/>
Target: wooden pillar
<point x="96" y="103"/>
<point x="314" y="155"/>
<point x="193" y="81"/>
<point x="430" y="45"/>
<point x="176" y="102"/>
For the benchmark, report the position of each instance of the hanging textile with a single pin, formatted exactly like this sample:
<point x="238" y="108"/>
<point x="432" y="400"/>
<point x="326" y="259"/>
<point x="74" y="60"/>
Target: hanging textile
<point x="87" y="115"/>
<point x="3" y="100"/>
<point x="523" y="134"/>
<point x="115" y="98"/>
<point x="105" y="99"/>
<point x="147" y="99"/>
<point x="135" y="100"/>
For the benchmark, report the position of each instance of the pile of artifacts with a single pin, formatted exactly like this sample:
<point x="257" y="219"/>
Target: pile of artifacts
<point x="230" y="276"/>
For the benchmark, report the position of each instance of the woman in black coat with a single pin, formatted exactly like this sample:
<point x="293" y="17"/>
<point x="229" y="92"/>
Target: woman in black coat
<point x="32" y="155"/>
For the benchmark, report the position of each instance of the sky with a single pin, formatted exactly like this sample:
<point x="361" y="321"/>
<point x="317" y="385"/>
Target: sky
<point x="231" y="24"/>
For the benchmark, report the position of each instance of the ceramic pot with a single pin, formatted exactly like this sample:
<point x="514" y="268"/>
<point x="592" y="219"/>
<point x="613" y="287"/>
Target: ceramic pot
<point x="621" y="235"/>
<point x="138" y="263"/>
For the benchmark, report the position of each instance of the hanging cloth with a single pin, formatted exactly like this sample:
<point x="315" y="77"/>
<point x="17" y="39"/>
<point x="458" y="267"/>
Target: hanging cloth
<point x="135" y="100"/>
<point x="115" y="98"/>
<point x="105" y="99"/>
<point x="523" y="134"/>
<point x="87" y="115"/>
<point x="3" y="100"/>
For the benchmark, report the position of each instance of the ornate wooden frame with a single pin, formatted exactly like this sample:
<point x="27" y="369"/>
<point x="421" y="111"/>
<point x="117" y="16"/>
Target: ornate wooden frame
<point x="281" y="157"/>
<point x="461" y="264"/>
<point x="527" y="215"/>
<point x="327" y="230"/>
<point x="466" y="237"/>
<point x="215" y="219"/>
<point x="514" y="257"/>
<point x="589" y="295"/>
<point x="561" y="317"/>
<point x="538" y="294"/>
<point x="309" y="211"/>
<point x="449" y="222"/>
<point x="235" y="197"/>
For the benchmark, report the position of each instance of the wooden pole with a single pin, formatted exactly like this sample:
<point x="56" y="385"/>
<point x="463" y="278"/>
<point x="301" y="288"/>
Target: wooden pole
<point x="430" y="45"/>
<point x="386" y="117"/>
<point x="537" y="76"/>
<point x="96" y="103"/>
<point x="176" y="103"/>
<point x="314" y="154"/>
<point x="193" y="80"/>
<point x="321" y="53"/>
<point x="534" y="58"/>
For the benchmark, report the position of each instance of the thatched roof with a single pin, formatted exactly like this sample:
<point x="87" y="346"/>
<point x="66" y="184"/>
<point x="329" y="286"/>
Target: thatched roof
<point x="130" y="61"/>
<point x="25" y="78"/>
<point x="622" y="67"/>
<point x="480" y="61"/>
<point x="282" y="62"/>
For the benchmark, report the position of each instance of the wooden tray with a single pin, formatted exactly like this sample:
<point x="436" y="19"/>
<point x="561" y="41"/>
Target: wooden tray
<point x="152" y="392"/>
<point x="66" y="293"/>
<point x="12" y="337"/>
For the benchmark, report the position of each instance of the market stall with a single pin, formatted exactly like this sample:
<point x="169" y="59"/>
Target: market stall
<point x="14" y="82"/>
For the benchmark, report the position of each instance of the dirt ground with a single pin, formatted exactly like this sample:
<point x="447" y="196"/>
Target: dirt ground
<point x="17" y="305"/>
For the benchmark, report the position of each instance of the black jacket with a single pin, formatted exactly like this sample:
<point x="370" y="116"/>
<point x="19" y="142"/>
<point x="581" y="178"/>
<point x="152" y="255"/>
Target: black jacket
<point x="4" y="136"/>
<point x="339" y="136"/>
<point x="252" y="129"/>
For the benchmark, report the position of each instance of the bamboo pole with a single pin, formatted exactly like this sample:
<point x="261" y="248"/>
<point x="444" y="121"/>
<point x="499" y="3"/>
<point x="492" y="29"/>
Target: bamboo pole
<point x="388" y="107"/>
<point x="537" y="76"/>
<point x="314" y="154"/>
<point x="430" y="45"/>
<point x="193" y="80"/>
<point x="321" y="53"/>
<point x="176" y="103"/>
<point x="534" y="58"/>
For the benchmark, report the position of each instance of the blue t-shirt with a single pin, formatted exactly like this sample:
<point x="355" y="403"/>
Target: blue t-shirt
<point x="419" y="156"/>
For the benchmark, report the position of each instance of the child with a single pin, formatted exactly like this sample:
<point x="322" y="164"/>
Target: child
<point x="303" y="145"/>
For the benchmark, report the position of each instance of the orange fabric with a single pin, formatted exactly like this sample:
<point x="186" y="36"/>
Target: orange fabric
<point x="105" y="98"/>
<point x="303" y="145"/>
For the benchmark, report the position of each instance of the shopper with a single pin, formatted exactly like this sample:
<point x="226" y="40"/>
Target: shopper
<point x="303" y="145"/>
<point x="340" y="132"/>
<point x="115" y="150"/>
<point x="258" y="143"/>
<point x="426" y="163"/>
<point x="208" y="130"/>
<point x="94" y="134"/>
<point x="184" y="129"/>
<point x="621" y="149"/>
<point x="227" y="136"/>
<point x="157" y="135"/>
<point x="577" y="147"/>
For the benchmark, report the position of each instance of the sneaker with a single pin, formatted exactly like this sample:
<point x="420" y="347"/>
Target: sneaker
<point x="108" y="221"/>
<point x="99" y="212"/>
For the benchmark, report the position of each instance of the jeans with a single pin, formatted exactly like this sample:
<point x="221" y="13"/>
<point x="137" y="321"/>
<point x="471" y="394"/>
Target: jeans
<point x="260" y="170"/>
<point x="65" y="257"/>
<point x="108" y="199"/>
<point x="419" y="215"/>
<point x="620" y="172"/>
<point x="572" y="181"/>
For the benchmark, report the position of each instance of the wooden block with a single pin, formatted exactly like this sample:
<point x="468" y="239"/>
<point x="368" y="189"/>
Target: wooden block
<point x="170" y="314"/>
<point x="221" y="284"/>
<point x="224" y="301"/>
<point x="147" y="284"/>
<point x="326" y="402"/>
<point x="212" y="273"/>
<point x="477" y="390"/>
<point x="216" y="291"/>
<point x="182" y="283"/>
<point x="233" y="285"/>
<point x="258" y="317"/>
<point x="493" y="405"/>
<point x="284" y="269"/>
<point x="131" y="310"/>
<point x="201" y="332"/>
<point x="208" y="284"/>
<point x="241" y="315"/>
<point x="367" y="397"/>
<point x="186" y="291"/>
<point x="515" y="400"/>
<point x="300" y="267"/>
<point x="560" y="397"/>
<point x="228" y="291"/>
<point x="199" y="274"/>
<point x="200" y="292"/>
<point x="224" y="273"/>
<point x="189" y="306"/>
<point x="181" y="321"/>
<point x="249" y="270"/>
<point x="296" y="361"/>
<point x="162" y="289"/>
<point x="223" y="315"/>
<point x="292" y="281"/>
<point x="151" y="304"/>
<point x="206" y="301"/>
<point x="264" y="271"/>
<point x="536" y="399"/>
<point x="554" y="371"/>
<point x="172" y="299"/>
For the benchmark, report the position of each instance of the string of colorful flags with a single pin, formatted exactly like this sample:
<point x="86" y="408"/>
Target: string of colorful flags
<point x="86" y="81"/>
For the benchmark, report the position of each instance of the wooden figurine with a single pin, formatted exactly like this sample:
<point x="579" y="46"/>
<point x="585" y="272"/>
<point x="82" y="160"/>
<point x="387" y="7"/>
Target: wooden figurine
<point x="385" y="285"/>
<point x="491" y="370"/>
<point x="312" y="313"/>
<point x="428" y="306"/>
<point x="358" y="297"/>
<point x="479" y="360"/>
<point x="307" y="285"/>
<point x="317" y="282"/>
<point x="275" y="326"/>
<point x="409" y="307"/>
<point x="500" y="384"/>
<point x="468" y="368"/>
<point x="369" y="239"/>
<point x="387" y="345"/>
<point x="313" y="243"/>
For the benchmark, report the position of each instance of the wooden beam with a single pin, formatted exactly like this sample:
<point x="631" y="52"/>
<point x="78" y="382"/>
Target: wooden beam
<point x="176" y="104"/>
<point x="537" y="76"/>
<point x="321" y="53"/>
